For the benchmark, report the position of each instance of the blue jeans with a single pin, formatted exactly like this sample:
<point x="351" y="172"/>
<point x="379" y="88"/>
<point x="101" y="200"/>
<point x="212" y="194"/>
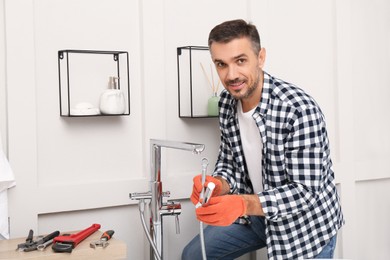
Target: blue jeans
<point x="236" y="240"/>
<point x="328" y="250"/>
<point x="228" y="242"/>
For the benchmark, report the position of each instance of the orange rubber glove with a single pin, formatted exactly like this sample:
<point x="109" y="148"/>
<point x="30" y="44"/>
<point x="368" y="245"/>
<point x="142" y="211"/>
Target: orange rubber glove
<point x="222" y="210"/>
<point x="197" y="188"/>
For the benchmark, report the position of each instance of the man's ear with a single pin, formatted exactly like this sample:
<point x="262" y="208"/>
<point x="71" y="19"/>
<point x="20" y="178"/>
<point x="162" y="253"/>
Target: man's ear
<point x="261" y="58"/>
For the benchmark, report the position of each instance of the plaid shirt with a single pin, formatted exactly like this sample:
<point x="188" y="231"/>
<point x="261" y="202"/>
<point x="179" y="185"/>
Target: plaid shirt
<point x="300" y="200"/>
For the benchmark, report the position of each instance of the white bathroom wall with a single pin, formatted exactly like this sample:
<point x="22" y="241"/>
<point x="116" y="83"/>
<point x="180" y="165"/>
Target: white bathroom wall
<point x="3" y="104"/>
<point x="370" y="81"/>
<point x="372" y="226"/>
<point x="72" y="172"/>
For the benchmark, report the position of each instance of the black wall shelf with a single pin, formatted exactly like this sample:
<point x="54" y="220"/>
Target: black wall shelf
<point x="83" y="77"/>
<point x="198" y="82"/>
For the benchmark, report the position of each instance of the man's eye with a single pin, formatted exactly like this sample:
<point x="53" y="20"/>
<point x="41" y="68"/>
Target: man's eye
<point x="241" y="61"/>
<point x="220" y="64"/>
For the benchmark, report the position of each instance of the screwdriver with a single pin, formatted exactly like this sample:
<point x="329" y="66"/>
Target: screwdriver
<point x="107" y="235"/>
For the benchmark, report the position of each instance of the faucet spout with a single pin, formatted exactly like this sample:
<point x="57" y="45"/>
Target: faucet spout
<point x="155" y="149"/>
<point x="195" y="148"/>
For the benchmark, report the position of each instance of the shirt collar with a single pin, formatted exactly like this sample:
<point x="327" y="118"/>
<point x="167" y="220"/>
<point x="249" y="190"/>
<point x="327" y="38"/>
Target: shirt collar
<point x="262" y="107"/>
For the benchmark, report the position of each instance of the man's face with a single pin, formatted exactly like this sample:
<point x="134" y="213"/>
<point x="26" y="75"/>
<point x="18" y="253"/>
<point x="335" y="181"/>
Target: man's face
<point x="239" y="68"/>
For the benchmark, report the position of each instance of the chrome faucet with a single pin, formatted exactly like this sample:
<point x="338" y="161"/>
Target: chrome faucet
<point x="158" y="208"/>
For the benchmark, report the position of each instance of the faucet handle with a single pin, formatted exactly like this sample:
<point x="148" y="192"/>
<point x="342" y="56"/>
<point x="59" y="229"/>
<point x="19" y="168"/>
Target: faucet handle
<point x="177" y="224"/>
<point x="172" y="208"/>
<point x="166" y="194"/>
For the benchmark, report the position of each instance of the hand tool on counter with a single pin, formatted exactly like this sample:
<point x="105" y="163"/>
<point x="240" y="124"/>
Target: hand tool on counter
<point x="42" y="247"/>
<point x="103" y="242"/>
<point x="66" y="243"/>
<point x="31" y="245"/>
<point x="29" y="240"/>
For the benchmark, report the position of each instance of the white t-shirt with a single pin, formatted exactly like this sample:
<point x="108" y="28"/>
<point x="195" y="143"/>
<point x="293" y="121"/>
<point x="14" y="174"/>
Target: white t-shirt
<point x="252" y="146"/>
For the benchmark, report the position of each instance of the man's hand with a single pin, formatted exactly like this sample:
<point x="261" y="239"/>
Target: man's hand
<point x="197" y="188"/>
<point x="222" y="210"/>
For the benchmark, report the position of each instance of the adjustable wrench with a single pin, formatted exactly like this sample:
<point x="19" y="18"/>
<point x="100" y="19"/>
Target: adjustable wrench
<point x="66" y="244"/>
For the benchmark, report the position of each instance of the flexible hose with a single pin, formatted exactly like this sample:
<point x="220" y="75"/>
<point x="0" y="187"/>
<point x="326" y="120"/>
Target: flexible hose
<point x="205" y="163"/>
<point x="141" y="206"/>
<point x="202" y="244"/>
<point x="206" y="198"/>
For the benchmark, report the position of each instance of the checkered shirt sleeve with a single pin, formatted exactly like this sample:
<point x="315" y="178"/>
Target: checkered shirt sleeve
<point x="300" y="199"/>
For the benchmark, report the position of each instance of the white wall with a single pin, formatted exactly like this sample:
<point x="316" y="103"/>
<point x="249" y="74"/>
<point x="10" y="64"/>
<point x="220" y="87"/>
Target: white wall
<point x="337" y="50"/>
<point x="3" y="104"/>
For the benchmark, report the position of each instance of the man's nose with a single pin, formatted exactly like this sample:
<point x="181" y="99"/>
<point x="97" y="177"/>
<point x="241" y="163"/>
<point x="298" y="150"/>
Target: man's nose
<point x="232" y="73"/>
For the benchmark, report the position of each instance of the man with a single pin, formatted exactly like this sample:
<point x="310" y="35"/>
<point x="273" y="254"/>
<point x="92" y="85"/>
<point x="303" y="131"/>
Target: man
<point x="274" y="179"/>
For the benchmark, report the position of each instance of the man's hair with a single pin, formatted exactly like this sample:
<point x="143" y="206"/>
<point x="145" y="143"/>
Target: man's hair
<point x="235" y="29"/>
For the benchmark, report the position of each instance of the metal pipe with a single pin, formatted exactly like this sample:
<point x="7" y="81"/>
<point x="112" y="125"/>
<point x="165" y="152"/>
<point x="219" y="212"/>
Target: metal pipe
<point x="141" y="207"/>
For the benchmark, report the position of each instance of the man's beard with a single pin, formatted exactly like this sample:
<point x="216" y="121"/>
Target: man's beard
<point x="248" y="93"/>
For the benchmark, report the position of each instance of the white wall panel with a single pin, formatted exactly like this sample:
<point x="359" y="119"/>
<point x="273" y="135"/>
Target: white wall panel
<point x="346" y="165"/>
<point x="99" y="148"/>
<point x="22" y="107"/>
<point x="66" y="164"/>
<point x="3" y="100"/>
<point x="371" y="81"/>
<point x="372" y="218"/>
